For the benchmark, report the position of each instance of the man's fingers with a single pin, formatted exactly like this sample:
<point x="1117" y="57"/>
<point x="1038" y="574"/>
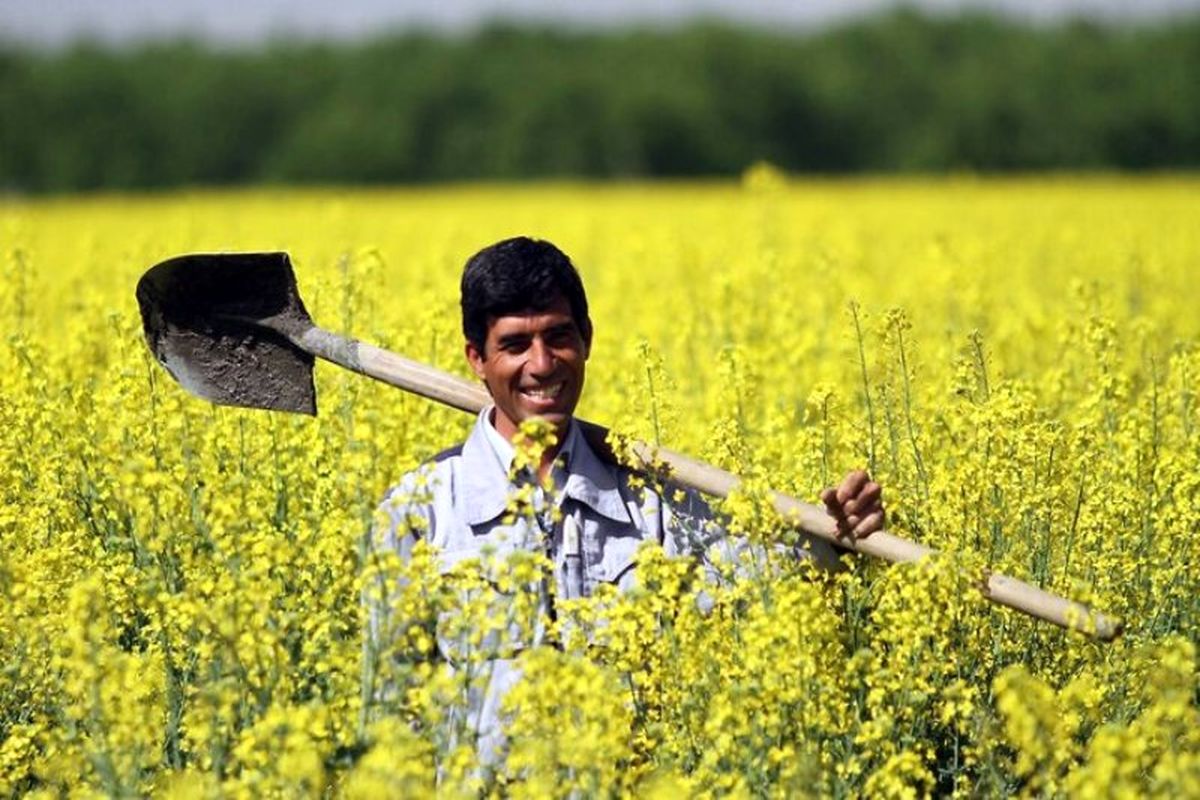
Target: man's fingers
<point x="851" y="486"/>
<point x="856" y="505"/>
<point x="866" y="501"/>
<point x="829" y="497"/>
<point x="869" y="524"/>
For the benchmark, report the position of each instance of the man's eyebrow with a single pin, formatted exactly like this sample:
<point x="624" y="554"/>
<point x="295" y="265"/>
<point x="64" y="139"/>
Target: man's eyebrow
<point x="554" y="330"/>
<point x="512" y="338"/>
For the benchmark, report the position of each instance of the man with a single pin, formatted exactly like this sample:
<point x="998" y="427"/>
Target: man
<point x="528" y="338"/>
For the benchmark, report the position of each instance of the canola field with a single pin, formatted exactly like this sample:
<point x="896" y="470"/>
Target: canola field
<point x="1017" y="361"/>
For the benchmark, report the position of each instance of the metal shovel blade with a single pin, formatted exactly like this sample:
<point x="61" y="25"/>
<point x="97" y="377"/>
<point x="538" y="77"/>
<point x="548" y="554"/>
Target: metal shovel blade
<point x="214" y="322"/>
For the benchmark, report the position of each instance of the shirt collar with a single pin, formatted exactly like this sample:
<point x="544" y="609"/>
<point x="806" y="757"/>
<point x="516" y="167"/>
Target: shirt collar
<point x="505" y="451"/>
<point x="487" y="457"/>
<point x="502" y="448"/>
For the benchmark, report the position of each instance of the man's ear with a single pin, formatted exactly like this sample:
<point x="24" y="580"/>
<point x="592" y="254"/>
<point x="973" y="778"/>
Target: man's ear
<point x="475" y="359"/>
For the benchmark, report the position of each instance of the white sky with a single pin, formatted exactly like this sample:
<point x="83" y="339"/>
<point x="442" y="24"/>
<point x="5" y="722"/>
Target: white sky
<point x="54" y="22"/>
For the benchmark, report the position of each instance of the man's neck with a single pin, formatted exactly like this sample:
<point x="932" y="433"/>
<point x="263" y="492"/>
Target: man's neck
<point x="547" y="464"/>
<point x="509" y="431"/>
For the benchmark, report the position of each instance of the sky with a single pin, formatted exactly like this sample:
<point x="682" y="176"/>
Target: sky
<point x="52" y="23"/>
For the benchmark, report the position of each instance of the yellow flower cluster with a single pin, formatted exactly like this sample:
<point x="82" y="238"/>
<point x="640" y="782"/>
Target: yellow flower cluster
<point x="183" y="587"/>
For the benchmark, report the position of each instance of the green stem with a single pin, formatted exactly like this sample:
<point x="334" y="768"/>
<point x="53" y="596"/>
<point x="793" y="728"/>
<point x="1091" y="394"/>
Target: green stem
<point x="862" y="363"/>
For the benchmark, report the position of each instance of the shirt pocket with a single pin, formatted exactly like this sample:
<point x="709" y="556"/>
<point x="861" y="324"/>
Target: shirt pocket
<point x="618" y="561"/>
<point x="484" y="623"/>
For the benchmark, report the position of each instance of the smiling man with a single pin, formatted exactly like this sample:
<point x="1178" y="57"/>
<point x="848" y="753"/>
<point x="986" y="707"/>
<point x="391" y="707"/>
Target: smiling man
<point x="528" y="334"/>
<point x="528" y="338"/>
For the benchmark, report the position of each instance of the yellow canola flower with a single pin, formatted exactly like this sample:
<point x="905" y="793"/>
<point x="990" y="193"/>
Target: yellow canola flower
<point x="184" y="588"/>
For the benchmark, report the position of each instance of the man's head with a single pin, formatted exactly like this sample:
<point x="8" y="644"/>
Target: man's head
<point x="525" y="318"/>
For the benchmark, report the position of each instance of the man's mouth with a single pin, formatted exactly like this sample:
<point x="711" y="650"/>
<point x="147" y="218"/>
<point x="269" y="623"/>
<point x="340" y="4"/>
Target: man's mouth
<point x="543" y="393"/>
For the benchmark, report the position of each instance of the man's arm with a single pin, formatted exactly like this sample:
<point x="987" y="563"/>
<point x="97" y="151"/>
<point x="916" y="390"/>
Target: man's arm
<point x="691" y="528"/>
<point x="403" y="518"/>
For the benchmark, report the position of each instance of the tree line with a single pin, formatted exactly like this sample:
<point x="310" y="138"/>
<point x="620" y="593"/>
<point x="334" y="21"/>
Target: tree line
<point x="899" y="92"/>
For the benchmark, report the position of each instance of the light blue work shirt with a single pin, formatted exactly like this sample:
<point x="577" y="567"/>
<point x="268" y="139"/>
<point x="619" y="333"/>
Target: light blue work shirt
<point x="458" y="503"/>
<point x="463" y="493"/>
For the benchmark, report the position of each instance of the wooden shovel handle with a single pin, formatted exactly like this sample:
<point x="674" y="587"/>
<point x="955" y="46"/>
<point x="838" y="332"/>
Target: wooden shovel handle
<point x="813" y="520"/>
<point x="453" y="391"/>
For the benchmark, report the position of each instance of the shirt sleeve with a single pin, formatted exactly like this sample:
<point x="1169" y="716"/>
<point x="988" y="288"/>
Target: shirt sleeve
<point x="689" y="525"/>
<point x="692" y="528"/>
<point x="404" y="517"/>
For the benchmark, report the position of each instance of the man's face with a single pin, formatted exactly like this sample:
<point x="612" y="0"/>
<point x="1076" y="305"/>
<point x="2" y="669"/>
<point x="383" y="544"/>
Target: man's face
<point x="533" y="365"/>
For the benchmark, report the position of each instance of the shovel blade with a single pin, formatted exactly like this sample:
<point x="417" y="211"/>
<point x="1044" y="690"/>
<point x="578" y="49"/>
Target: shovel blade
<point x="205" y="318"/>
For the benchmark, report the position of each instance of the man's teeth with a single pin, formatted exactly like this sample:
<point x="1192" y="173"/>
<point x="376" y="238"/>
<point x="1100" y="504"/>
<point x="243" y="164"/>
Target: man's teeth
<point x="543" y="392"/>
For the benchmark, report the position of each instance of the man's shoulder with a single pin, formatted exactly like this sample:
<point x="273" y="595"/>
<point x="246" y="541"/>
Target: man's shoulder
<point x="418" y="483"/>
<point x="441" y="460"/>
<point x="445" y="455"/>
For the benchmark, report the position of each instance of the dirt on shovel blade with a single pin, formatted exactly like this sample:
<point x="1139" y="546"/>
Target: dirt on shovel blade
<point x="199" y="313"/>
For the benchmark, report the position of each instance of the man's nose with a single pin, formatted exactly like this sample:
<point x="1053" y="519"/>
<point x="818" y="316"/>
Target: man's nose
<point x="541" y="359"/>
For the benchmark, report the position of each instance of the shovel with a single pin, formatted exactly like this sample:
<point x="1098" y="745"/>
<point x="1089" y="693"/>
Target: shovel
<point x="232" y="329"/>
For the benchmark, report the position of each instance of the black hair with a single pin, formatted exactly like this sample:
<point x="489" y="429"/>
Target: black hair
<point x="515" y="275"/>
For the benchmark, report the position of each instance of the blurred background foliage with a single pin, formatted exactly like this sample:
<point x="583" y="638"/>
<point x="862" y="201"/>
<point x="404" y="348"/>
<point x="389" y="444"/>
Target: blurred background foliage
<point x="896" y="92"/>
